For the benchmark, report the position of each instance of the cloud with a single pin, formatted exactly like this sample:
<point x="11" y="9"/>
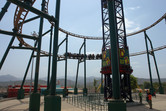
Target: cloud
<point x="134" y="8"/>
<point x="131" y="26"/>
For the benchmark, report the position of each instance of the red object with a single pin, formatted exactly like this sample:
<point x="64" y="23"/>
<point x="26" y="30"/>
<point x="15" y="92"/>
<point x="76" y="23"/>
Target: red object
<point x="149" y="96"/>
<point x="124" y="69"/>
<point x="13" y="90"/>
<point x="124" y="62"/>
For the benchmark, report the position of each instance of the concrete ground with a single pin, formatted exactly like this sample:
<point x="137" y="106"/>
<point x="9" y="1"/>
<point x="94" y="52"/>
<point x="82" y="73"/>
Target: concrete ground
<point x="159" y="104"/>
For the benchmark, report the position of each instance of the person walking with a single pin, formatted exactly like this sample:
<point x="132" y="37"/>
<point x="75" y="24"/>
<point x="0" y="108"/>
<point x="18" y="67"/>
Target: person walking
<point x="155" y="94"/>
<point x="140" y="97"/>
<point x="150" y="100"/>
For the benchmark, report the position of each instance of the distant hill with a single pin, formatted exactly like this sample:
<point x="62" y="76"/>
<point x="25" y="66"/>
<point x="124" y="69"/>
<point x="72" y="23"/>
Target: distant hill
<point x="71" y="80"/>
<point x="4" y="78"/>
<point x="142" y="80"/>
<point x="18" y="82"/>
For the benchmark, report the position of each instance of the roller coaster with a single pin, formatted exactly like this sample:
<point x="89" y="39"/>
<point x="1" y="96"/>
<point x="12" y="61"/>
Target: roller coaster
<point x="108" y="49"/>
<point x="21" y="13"/>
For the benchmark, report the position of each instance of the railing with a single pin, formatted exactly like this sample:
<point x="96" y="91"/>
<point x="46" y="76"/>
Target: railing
<point x="92" y="102"/>
<point x="95" y="102"/>
<point x="137" y="99"/>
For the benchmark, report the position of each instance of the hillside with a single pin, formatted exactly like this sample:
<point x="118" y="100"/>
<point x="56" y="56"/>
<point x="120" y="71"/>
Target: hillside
<point x="142" y="80"/>
<point x="6" y="80"/>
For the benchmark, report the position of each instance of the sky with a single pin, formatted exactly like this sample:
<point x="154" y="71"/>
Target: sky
<point x="84" y="17"/>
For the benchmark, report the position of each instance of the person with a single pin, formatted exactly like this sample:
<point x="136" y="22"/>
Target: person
<point x="155" y="94"/>
<point x="140" y="97"/>
<point x="147" y="96"/>
<point x="150" y="100"/>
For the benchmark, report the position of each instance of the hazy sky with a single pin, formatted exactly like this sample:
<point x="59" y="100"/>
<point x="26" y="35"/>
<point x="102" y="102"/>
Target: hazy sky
<point x="84" y="17"/>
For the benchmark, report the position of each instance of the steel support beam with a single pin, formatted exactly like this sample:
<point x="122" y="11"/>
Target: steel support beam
<point x="117" y="104"/>
<point x="8" y="48"/>
<point x="101" y="89"/>
<point x="16" y="34"/>
<point x="49" y="60"/>
<point x="46" y="32"/>
<point x="29" y="20"/>
<point x="61" y="43"/>
<point x="34" y="10"/>
<point x="29" y="63"/>
<point x="25" y="48"/>
<point x="161" y="91"/>
<point x="78" y="64"/>
<point x="55" y="50"/>
<point x="129" y="85"/>
<point x="114" y="50"/>
<point x="85" y="90"/>
<point x="47" y="91"/>
<point x="75" y="88"/>
<point x="53" y="102"/>
<point x="4" y="10"/>
<point x="65" y="91"/>
<point x="149" y="66"/>
<point x="38" y="50"/>
<point x="21" y="90"/>
<point x="34" y="103"/>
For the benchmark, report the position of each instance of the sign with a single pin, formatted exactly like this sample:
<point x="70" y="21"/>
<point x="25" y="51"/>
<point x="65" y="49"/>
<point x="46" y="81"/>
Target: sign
<point x="123" y="57"/>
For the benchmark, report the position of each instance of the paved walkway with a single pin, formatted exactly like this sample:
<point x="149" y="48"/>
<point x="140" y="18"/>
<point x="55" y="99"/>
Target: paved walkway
<point x="159" y="104"/>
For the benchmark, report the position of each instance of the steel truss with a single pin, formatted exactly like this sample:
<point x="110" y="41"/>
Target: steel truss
<point x="21" y="13"/>
<point x="122" y="43"/>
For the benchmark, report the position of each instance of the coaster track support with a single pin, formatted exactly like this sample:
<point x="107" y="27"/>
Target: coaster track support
<point x="114" y="30"/>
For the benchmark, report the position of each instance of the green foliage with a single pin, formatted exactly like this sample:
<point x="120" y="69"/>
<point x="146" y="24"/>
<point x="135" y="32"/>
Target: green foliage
<point x="156" y="86"/>
<point x="94" y="84"/>
<point x="164" y="84"/>
<point x="133" y="82"/>
<point x="146" y="85"/>
<point x="141" y="86"/>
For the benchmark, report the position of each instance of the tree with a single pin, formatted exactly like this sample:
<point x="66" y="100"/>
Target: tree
<point x="164" y="86"/>
<point x="156" y="86"/>
<point x="94" y="84"/>
<point x="147" y="85"/>
<point x="133" y="81"/>
<point x="141" y="86"/>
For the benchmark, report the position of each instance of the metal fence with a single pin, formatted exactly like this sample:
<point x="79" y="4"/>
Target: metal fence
<point x="92" y="102"/>
<point x="136" y="97"/>
<point x="95" y="102"/>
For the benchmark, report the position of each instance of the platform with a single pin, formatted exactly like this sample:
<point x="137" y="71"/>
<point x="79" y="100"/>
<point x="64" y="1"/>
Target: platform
<point x="23" y="105"/>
